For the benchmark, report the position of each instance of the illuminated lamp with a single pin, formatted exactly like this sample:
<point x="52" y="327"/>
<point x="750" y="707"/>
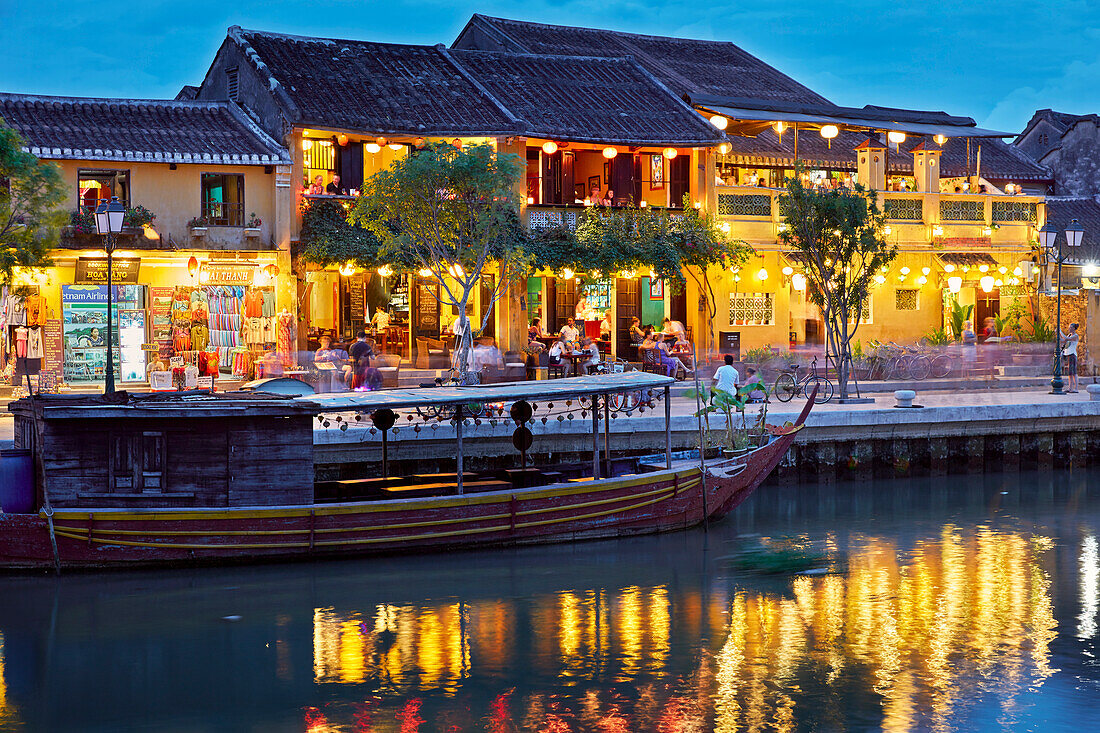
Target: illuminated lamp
<point x="348" y="269"/>
<point x="385" y="271"/>
<point x="567" y="274"/>
<point x="830" y="131"/>
<point x="1003" y="270"/>
<point x="762" y="274"/>
<point x="424" y="272"/>
<point x="1089" y="270"/>
<point x="986" y="283"/>
<point x="373" y="148"/>
<point x="597" y="274"/>
<point x="628" y="274"/>
<point x="948" y="267"/>
<point x="954" y="283"/>
<point x="895" y="137"/>
<point x="669" y="153"/>
<point x="987" y="231"/>
<point x="887" y="230"/>
<point x="724" y="148"/>
<point x="456" y="270"/>
<point x="904" y="270"/>
<point x="925" y="270"/>
<point x="643" y="203"/>
<point x="940" y="139"/>
<point x="192" y="266"/>
<point x="307" y="144"/>
<point x="1000" y="282"/>
<point x="922" y="280"/>
<point x="342" y="140"/>
<point x="737" y="278"/>
<point x="781" y="226"/>
<point x="880" y="279"/>
<point x="395" y="146"/>
<point x="530" y="200"/>
<point x="719" y="121"/>
<point x="779" y="127"/>
<point x="788" y="270"/>
<point x="549" y="147"/>
<point x="798" y="281"/>
<point x="983" y="268"/>
<point x="610" y="152"/>
<point x="272" y="270"/>
<point x="652" y="275"/>
<point x="325" y="143"/>
<point x="419" y="142"/>
<point x="937" y="231"/>
<point x="698" y="204"/>
<point x="1018" y="272"/>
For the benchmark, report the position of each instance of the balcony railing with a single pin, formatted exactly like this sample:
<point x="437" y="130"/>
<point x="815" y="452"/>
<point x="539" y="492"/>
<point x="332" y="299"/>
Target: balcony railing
<point x="547" y="216"/>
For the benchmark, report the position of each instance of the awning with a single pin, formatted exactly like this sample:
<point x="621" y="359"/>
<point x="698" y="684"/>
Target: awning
<point x="758" y="120"/>
<point x="967" y="259"/>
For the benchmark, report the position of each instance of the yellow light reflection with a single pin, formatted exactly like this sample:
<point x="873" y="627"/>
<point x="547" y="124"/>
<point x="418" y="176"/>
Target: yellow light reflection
<point x="1089" y="565"/>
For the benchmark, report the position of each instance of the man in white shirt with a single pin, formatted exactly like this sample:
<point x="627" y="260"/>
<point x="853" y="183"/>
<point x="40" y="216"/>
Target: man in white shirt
<point x="726" y="377"/>
<point x="570" y="335"/>
<point x="589" y="347"/>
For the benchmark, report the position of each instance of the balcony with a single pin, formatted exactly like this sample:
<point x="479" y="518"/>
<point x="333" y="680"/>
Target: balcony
<point x="943" y="220"/>
<point x="547" y="216"/>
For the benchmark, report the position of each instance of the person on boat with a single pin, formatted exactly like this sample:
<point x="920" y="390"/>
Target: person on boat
<point x="726" y="377"/>
<point x="664" y="358"/>
<point x="570" y="334"/>
<point x="589" y="347"/>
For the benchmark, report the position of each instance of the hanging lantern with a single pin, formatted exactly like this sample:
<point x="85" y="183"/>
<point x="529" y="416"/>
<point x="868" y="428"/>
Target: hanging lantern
<point x="830" y="131"/>
<point x="192" y="266"/>
<point x="762" y="274"/>
<point x="419" y="142"/>
<point x="983" y="268"/>
<point x="669" y="153"/>
<point x="922" y="280"/>
<point x="940" y="139"/>
<point x="395" y="146"/>
<point x="549" y="147"/>
<point x="348" y="269"/>
<point x="424" y="272"/>
<point x="610" y="152"/>
<point x="948" y="267"/>
<point x="725" y="148"/>
<point x="904" y="270"/>
<point x="788" y="270"/>
<point x="779" y="127"/>
<point x="385" y="271"/>
<point x="1003" y="270"/>
<point x="955" y="283"/>
<point x="567" y="274"/>
<point x="719" y="121"/>
<point x="798" y="281"/>
<point x="272" y="270"/>
<point x="342" y="140"/>
<point x="937" y="231"/>
<point x="880" y="278"/>
<point x="925" y="270"/>
<point x="999" y="282"/>
<point x="987" y="284"/>
<point x="896" y="137"/>
<point x="373" y="148"/>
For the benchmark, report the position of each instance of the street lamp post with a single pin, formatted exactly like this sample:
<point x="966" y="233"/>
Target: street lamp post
<point x="1048" y="237"/>
<point x="108" y="223"/>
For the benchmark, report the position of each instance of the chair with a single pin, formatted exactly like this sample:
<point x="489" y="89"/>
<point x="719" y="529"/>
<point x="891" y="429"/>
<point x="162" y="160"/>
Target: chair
<point x="556" y="371"/>
<point x="389" y="366"/>
<point x="515" y="369"/>
<point x="432" y="354"/>
<point x="491" y="375"/>
<point x="649" y="364"/>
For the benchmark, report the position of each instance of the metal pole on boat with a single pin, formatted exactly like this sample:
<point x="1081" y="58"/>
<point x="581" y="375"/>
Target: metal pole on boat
<point x="702" y="439"/>
<point x="595" y="436"/>
<point x="458" y="439"/>
<point x="607" y="430"/>
<point x="668" y="427"/>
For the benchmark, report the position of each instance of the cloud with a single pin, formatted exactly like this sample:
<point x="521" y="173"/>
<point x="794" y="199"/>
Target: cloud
<point x="1073" y="90"/>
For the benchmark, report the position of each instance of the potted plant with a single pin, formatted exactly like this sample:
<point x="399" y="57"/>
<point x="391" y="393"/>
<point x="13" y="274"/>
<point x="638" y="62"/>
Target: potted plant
<point x="198" y="226"/>
<point x="740" y="439"/>
<point x="252" y="227"/>
<point x="136" y="219"/>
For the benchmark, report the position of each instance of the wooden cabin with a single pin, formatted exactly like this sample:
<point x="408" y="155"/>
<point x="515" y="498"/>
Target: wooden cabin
<point x="220" y="450"/>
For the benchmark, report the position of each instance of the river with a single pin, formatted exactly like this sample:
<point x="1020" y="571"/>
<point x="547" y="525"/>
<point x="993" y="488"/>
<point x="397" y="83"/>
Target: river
<point x="961" y="603"/>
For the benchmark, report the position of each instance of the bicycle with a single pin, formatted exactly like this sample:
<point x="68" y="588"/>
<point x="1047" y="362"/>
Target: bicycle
<point x="447" y="412"/>
<point x="788" y="385"/>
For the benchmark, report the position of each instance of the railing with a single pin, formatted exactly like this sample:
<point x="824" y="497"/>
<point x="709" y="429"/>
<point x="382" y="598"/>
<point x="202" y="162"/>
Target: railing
<point x="222" y="214"/>
<point x="547" y="216"/>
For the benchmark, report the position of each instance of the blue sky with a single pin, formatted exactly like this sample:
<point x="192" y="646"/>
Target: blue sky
<point x="994" y="61"/>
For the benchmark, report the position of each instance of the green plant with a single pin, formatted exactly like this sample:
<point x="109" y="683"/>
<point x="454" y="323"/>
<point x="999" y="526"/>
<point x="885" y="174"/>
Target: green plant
<point x="937" y="337"/>
<point x="716" y="400"/>
<point x="758" y="354"/>
<point x="254" y="222"/>
<point x="137" y="216"/>
<point x="1037" y="331"/>
<point x="82" y="222"/>
<point x="198" y="221"/>
<point x="31" y="196"/>
<point x="960" y="314"/>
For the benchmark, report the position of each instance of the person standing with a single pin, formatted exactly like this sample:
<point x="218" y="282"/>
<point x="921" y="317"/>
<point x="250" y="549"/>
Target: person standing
<point x="1069" y="351"/>
<point x="969" y="348"/>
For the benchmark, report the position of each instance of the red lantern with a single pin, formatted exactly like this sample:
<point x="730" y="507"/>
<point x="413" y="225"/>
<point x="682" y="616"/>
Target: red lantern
<point x="272" y="270"/>
<point x="192" y="266"/>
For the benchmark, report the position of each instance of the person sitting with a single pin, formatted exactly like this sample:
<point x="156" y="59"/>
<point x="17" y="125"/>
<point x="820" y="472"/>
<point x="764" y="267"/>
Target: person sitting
<point x="594" y="196"/>
<point x="337" y="357"/>
<point x="664" y="359"/>
<point x="605" y="325"/>
<point x="589" y="347"/>
<point x="381" y="320"/>
<point x="556" y="353"/>
<point x="757" y="395"/>
<point x="318" y="187"/>
<point x="535" y="329"/>
<point x="637" y="334"/>
<point x="570" y="334"/>
<point x="333" y="188"/>
<point x="726" y="377"/>
<point x="681" y="349"/>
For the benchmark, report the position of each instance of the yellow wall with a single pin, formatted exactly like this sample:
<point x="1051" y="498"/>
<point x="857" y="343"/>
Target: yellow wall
<point x="175" y="196"/>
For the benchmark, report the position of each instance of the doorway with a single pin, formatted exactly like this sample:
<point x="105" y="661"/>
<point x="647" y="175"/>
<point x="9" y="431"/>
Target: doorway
<point x="987" y="305"/>
<point x="628" y="306"/>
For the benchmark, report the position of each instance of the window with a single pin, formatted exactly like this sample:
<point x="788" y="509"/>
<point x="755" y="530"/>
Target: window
<point x="223" y="199"/>
<point x="94" y="186"/>
<point x="906" y="299"/>
<point x="232" y="83"/>
<point x="1043" y="138"/>
<point x="752" y="309"/>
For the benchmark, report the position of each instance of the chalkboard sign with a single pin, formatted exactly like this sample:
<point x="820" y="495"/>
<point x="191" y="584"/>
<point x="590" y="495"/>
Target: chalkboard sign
<point x="399" y="295"/>
<point x="54" y="350"/>
<point x="729" y="342"/>
<point x="357" y="300"/>
<point x="427" y="313"/>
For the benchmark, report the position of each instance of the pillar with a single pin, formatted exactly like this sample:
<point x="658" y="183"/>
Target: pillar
<point x="871" y="164"/>
<point x="1044" y="450"/>
<point x="510" y="311"/>
<point x="286" y="283"/>
<point x="926" y="167"/>
<point x="1010" y="453"/>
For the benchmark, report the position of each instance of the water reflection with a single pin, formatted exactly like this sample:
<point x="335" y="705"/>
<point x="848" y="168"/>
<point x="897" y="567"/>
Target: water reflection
<point x="941" y="611"/>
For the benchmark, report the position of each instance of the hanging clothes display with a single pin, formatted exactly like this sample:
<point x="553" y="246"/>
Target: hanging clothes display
<point x="287" y="340"/>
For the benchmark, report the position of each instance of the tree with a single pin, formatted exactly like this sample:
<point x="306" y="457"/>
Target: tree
<point x="453" y="211"/>
<point x="328" y="238"/>
<point x="838" y="235"/>
<point x="31" y="195"/>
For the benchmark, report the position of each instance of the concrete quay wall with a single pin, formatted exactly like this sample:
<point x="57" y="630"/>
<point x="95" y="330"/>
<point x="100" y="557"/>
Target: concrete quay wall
<point x="838" y="441"/>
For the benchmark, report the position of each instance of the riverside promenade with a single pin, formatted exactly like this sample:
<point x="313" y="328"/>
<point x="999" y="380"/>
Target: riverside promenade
<point x="952" y="432"/>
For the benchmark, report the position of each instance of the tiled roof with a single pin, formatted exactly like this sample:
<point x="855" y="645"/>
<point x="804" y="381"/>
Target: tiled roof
<point x="967" y="259"/>
<point x="429" y="90"/>
<point x="587" y="99"/>
<point x="686" y="66"/>
<point x="1062" y="210"/>
<point x="1000" y="161"/>
<point x="186" y="92"/>
<point x="141" y="130"/>
<point x="381" y="88"/>
<point x="1062" y="121"/>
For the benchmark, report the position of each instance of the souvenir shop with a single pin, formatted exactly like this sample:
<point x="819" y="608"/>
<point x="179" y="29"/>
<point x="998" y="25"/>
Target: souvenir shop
<point x="24" y="314"/>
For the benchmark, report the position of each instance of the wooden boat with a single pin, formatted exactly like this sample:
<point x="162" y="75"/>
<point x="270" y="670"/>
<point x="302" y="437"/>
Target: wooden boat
<point x="150" y="528"/>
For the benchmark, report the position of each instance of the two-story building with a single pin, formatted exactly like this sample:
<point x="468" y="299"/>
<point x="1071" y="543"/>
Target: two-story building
<point x="204" y="210"/>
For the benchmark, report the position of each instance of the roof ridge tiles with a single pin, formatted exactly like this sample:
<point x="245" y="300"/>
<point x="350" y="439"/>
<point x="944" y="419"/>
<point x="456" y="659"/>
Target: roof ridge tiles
<point x="607" y="30"/>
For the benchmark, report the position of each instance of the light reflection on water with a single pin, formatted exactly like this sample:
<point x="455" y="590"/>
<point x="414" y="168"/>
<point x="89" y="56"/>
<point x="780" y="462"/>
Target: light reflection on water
<point x="945" y="614"/>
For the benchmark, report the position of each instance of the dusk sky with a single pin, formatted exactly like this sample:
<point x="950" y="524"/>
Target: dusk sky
<point x="994" y="61"/>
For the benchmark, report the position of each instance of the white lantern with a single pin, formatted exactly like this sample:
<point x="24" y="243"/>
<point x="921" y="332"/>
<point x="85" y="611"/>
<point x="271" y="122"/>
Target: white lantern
<point x="719" y="121"/>
<point x="895" y="137"/>
<point x="987" y="284"/>
<point x="955" y="283"/>
<point x="549" y="147"/>
<point x="830" y="131"/>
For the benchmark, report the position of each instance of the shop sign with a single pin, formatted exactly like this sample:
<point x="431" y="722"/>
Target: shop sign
<point x="205" y="383"/>
<point x="150" y="347"/>
<point x="176" y="362"/>
<point x="729" y="342"/>
<point x="53" y="347"/>
<point x="217" y="273"/>
<point x="1090" y="283"/>
<point x="93" y="270"/>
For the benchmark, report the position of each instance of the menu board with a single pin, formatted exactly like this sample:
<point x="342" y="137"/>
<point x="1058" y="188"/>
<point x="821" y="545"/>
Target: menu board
<point x="399" y="295"/>
<point x="427" y="315"/>
<point x="160" y="314"/>
<point x="357" y="299"/>
<point x="54" y="348"/>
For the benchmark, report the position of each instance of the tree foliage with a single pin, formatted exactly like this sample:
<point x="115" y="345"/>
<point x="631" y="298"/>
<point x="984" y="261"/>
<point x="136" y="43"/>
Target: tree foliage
<point x="453" y="211"/>
<point x="31" y="195"/>
<point x="838" y="235"/>
<point x="328" y="238"/>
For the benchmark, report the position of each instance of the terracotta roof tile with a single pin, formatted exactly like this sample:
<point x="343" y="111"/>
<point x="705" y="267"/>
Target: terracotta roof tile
<point x="144" y="130"/>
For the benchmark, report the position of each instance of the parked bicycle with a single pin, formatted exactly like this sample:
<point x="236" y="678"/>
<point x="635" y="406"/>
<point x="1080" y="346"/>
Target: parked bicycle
<point x="789" y="385"/>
